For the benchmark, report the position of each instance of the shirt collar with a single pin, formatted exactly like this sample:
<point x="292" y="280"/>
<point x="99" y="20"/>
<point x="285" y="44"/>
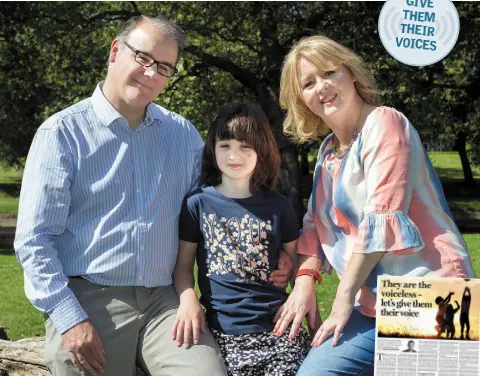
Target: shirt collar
<point x="150" y="114"/>
<point x="104" y="110"/>
<point x="107" y="114"/>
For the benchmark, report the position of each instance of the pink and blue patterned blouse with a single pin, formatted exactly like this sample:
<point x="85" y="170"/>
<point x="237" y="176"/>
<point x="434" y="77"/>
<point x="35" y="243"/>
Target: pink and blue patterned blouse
<point x="382" y="196"/>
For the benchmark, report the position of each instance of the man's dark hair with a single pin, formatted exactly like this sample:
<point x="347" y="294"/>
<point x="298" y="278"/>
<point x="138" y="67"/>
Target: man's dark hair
<point x="245" y="123"/>
<point x="163" y="25"/>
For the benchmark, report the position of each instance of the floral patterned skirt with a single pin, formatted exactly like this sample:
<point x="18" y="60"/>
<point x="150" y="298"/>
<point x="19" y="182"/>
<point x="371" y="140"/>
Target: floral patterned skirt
<point x="263" y="354"/>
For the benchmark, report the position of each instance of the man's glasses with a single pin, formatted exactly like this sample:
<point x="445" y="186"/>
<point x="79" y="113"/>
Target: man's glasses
<point x="147" y="61"/>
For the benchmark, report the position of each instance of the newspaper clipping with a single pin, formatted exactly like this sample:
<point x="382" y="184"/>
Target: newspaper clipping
<point x="427" y="326"/>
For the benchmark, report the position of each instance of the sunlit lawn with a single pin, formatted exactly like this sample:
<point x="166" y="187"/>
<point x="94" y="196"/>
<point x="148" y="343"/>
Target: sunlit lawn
<point x="22" y="320"/>
<point x="448" y="166"/>
<point x="9" y="189"/>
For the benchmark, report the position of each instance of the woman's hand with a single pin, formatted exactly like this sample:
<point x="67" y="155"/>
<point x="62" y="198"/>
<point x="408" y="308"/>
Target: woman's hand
<point x="301" y="302"/>
<point x="358" y="269"/>
<point x="190" y="321"/>
<point x="341" y="312"/>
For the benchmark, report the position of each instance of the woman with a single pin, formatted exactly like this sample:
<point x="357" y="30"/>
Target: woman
<point x="377" y="206"/>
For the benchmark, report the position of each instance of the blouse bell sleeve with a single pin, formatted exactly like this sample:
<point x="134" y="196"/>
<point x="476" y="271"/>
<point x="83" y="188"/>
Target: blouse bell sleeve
<point x="389" y="151"/>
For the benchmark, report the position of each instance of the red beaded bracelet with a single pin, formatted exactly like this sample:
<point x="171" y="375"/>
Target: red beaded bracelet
<point x="311" y="272"/>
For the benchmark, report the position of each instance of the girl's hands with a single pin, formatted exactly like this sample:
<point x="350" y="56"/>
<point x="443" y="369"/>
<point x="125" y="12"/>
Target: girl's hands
<point x="301" y="302"/>
<point x="341" y="312"/>
<point x="190" y="320"/>
<point x="280" y="276"/>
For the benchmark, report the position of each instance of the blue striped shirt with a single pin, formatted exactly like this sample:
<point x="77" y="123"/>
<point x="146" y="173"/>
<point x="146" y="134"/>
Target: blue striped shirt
<point x="102" y="201"/>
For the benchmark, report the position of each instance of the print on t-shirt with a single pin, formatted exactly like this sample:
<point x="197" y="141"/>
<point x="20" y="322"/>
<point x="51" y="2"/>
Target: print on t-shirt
<point x="237" y="245"/>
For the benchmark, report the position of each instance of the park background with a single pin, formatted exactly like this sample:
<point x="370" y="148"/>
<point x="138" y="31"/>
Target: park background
<point x="52" y="54"/>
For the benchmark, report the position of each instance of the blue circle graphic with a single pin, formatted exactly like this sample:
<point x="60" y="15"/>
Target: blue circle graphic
<point x="418" y="32"/>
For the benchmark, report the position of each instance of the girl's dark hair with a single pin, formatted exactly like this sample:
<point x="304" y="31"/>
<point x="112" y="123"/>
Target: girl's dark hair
<point x="245" y="123"/>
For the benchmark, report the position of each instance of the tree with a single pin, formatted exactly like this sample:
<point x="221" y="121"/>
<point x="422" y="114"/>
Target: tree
<point x="55" y="53"/>
<point x="51" y="56"/>
<point x="249" y="41"/>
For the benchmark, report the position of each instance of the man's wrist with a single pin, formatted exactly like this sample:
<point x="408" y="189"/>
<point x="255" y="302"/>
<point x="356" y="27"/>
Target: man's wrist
<point x="67" y="314"/>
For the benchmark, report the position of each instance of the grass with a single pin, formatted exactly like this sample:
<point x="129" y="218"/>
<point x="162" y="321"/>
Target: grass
<point x="10" y="175"/>
<point x="16" y="313"/>
<point x="465" y="208"/>
<point x="8" y="205"/>
<point x="448" y="166"/>
<point x="326" y="294"/>
<point x="10" y="180"/>
<point x="22" y="320"/>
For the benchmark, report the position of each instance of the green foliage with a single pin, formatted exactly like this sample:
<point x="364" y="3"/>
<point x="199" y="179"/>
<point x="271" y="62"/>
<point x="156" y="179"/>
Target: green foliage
<point x="54" y="55"/>
<point x="56" y="52"/>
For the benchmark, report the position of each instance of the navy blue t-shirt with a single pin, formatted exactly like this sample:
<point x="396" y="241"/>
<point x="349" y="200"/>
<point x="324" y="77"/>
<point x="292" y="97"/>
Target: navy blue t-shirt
<point x="238" y="245"/>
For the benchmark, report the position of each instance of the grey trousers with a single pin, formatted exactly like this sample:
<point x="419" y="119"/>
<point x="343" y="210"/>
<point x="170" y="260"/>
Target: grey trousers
<point x="135" y="325"/>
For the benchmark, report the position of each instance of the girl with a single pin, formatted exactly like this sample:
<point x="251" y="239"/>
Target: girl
<point x="235" y="226"/>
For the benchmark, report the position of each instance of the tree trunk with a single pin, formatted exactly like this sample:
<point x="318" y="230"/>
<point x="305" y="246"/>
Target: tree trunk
<point x="304" y="166"/>
<point x="290" y="186"/>
<point x="460" y="147"/>
<point x="290" y="161"/>
<point x="26" y="358"/>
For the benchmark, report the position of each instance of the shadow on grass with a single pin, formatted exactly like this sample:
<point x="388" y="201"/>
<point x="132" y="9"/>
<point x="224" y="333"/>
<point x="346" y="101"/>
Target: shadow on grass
<point x="457" y="189"/>
<point x="447" y="173"/>
<point x="11" y="189"/>
<point x="7" y="252"/>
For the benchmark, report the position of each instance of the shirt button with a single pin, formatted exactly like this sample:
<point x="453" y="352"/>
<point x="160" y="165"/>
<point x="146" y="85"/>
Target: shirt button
<point x="140" y="278"/>
<point x="142" y="248"/>
<point x="138" y="190"/>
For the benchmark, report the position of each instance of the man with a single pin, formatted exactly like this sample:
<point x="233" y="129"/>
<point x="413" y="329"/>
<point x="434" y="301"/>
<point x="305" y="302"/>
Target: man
<point x="97" y="231"/>
<point x="410" y="347"/>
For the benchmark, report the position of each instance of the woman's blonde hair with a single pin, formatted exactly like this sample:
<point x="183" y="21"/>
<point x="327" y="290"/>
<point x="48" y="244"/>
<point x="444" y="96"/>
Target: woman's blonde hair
<point x="326" y="55"/>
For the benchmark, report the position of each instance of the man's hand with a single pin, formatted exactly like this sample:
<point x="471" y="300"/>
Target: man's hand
<point x="85" y="348"/>
<point x="280" y="277"/>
